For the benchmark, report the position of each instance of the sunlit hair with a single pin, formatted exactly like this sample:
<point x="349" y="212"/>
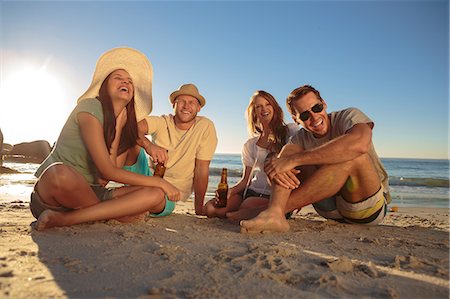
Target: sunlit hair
<point x="277" y="124"/>
<point x="129" y="131"/>
<point x="298" y="93"/>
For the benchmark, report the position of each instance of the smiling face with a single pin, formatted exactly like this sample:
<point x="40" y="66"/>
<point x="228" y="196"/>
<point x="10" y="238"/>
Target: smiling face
<point x="318" y="123"/>
<point x="263" y="110"/>
<point x="120" y="86"/>
<point x="186" y="108"/>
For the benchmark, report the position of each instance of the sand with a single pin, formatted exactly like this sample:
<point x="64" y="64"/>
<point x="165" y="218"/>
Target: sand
<point x="186" y="256"/>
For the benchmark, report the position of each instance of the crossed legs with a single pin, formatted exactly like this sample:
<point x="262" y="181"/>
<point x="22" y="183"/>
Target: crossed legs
<point x="60" y="185"/>
<point x="355" y="180"/>
<point x="237" y="208"/>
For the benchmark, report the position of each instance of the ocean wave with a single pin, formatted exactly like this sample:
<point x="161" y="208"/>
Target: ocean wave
<point x="393" y="180"/>
<point x="230" y="172"/>
<point x="425" y="182"/>
<point x="235" y="171"/>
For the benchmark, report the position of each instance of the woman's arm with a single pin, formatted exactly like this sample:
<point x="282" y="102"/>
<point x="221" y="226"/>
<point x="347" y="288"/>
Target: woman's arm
<point x="121" y="121"/>
<point x="117" y="161"/>
<point x="92" y="133"/>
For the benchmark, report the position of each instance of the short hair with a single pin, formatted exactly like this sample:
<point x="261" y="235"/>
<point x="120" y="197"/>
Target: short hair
<point x="298" y="93"/>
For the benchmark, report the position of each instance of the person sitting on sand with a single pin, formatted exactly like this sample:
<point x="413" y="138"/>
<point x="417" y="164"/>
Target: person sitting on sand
<point x="270" y="133"/>
<point x="339" y="170"/>
<point x="190" y="141"/>
<point x="98" y="134"/>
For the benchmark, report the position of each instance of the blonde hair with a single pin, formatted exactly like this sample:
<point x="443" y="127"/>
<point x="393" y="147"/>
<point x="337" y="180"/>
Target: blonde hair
<point x="277" y="124"/>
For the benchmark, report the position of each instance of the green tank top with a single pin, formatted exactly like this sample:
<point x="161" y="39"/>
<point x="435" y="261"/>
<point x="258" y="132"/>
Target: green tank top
<point x="70" y="148"/>
<point x="141" y="165"/>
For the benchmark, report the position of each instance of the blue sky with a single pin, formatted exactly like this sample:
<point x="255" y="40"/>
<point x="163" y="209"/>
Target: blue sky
<point x="388" y="58"/>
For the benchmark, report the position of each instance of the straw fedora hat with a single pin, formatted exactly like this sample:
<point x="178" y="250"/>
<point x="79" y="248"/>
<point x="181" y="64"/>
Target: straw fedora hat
<point x="140" y="70"/>
<point x="190" y="90"/>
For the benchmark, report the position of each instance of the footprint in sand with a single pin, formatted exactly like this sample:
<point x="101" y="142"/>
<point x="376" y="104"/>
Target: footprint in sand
<point x="269" y="262"/>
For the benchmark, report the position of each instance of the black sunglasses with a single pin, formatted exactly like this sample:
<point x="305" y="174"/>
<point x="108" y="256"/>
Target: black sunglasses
<point x="304" y="116"/>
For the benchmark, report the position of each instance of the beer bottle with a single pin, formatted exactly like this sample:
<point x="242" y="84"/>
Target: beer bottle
<point x="160" y="169"/>
<point x="222" y="190"/>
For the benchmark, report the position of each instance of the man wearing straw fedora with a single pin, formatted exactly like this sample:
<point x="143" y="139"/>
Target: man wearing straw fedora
<point x="189" y="141"/>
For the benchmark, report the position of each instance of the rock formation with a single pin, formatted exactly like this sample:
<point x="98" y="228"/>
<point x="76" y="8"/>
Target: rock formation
<point x="34" y="152"/>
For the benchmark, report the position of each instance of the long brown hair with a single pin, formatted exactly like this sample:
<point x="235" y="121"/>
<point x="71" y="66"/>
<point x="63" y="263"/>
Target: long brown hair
<point x="277" y="124"/>
<point x="129" y="132"/>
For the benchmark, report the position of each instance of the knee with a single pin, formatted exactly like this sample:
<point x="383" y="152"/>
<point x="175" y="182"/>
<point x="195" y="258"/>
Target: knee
<point x="290" y="149"/>
<point x="351" y="166"/>
<point x="153" y="193"/>
<point x="61" y="178"/>
<point x="154" y="196"/>
<point x="363" y="161"/>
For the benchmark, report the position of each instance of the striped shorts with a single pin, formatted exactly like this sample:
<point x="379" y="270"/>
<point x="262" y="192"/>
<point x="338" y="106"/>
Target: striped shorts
<point x="368" y="211"/>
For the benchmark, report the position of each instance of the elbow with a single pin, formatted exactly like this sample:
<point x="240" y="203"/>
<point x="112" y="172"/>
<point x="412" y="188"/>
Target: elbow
<point x="361" y="139"/>
<point x="363" y="148"/>
<point x="363" y="145"/>
<point x="107" y="172"/>
<point x="142" y="127"/>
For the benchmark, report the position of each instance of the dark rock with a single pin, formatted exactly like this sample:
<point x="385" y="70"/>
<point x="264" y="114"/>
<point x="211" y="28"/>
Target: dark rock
<point x="6" y="148"/>
<point x="1" y="141"/>
<point x="7" y="170"/>
<point x="35" y="152"/>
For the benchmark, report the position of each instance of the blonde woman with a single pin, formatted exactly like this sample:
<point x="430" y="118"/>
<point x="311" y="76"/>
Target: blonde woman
<point x="269" y="133"/>
<point x="94" y="143"/>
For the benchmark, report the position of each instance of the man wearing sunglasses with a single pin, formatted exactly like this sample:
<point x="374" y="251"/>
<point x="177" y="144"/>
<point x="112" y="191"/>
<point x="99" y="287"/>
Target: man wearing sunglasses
<point x="330" y="163"/>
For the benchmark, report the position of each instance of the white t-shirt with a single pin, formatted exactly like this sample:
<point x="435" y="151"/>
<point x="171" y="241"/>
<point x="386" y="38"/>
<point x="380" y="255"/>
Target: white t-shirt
<point x="253" y="156"/>
<point x="199" y="142"/>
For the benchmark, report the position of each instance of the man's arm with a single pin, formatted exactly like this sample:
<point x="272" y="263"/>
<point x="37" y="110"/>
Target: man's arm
<point x="201" y="175"/>
<point x="157" y="153"/>
<point x="347" y="147"/>
<point x="355" y="142"/>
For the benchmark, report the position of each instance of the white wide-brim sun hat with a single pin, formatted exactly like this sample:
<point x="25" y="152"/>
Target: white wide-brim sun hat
<point x="140" y="70"/>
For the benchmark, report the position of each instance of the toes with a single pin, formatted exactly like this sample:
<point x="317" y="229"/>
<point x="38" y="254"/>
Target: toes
<point x="244" y="230"/>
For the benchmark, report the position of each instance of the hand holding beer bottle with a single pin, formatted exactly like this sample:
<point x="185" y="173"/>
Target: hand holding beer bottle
<point x="160" y="169"/>
<point x="222" y="191"/>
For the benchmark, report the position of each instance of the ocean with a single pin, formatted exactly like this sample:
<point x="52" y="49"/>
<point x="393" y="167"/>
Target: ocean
<point x="413" y="182"/>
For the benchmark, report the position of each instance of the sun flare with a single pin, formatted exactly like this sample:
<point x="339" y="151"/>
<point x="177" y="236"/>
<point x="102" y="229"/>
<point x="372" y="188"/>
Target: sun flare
<point x="31" y="105"/>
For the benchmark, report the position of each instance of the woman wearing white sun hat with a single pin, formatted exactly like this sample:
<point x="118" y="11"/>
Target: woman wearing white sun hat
<point x="93" y="144"/>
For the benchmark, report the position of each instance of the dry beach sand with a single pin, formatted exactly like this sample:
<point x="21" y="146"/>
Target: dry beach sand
<point x="185" y="256"/>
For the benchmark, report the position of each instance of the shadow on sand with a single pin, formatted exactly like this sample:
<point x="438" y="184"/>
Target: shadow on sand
<point x="184" y="256"/>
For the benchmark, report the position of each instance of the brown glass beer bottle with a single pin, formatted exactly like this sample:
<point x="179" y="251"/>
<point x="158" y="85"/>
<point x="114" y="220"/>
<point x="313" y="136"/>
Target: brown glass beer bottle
<point x="222" y="190"/>
<point x="160" y="169"/>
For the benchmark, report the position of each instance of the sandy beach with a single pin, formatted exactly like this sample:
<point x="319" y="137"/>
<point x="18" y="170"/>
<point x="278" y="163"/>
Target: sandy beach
<point x="186" y="256"/>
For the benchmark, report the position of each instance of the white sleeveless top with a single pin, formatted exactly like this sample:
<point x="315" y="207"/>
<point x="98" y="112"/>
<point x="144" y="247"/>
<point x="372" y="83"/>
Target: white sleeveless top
<point x="253" y="156"/>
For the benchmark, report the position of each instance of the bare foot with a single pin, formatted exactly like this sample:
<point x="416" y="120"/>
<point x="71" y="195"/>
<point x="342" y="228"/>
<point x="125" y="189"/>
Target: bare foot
<point x="48" y="219"/>
<point x="211" y="211"/>
<point x="244" y="214"/>
<point x="267" y="221"/>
